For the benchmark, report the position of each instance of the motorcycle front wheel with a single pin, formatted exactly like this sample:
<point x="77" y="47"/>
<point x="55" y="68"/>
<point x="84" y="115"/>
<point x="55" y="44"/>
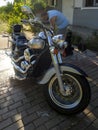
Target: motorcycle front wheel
<point x="77" y="94"/>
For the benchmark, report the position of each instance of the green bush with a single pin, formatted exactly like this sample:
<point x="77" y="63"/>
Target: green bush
<point x="3" y="27"/>
<point x="76" y="39"/>
<point x="92" y="43"/>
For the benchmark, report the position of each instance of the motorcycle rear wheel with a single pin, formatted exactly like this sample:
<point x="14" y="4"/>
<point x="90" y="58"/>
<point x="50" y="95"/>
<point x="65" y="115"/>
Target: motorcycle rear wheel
<point x="77" y="95"/>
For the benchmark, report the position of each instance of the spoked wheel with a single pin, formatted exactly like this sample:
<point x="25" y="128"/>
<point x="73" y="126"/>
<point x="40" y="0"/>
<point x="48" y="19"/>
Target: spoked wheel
<point x="76" y="97"/>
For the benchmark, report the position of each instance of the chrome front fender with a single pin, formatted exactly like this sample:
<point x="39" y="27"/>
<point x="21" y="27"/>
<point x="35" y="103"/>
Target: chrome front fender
<point x="63" y="67"/>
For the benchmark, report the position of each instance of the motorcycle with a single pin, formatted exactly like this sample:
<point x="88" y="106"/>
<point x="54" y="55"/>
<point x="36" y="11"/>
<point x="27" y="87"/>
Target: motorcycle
<point x="66" y="86"/>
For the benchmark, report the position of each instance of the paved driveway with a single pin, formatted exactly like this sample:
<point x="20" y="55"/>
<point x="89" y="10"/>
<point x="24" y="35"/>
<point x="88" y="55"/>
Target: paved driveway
<point x="23" y="105"/>
<point x="3" y="41"/>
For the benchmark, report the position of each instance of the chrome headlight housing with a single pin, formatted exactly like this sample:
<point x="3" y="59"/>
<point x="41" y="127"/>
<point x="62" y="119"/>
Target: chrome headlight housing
<point x="42" y="35"/>
<point x="59" y="41"/>
<point x="36" y="43"/>
<point x="58" y="38"/>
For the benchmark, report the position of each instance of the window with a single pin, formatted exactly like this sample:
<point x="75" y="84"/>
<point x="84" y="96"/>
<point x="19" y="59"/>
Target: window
<point x="96" y="2"/>
<point x="53" y="3"/>
<point x="91" y="3"/>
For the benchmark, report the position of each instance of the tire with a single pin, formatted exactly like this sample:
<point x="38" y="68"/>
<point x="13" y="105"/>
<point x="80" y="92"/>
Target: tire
<point x="77" y="97"/>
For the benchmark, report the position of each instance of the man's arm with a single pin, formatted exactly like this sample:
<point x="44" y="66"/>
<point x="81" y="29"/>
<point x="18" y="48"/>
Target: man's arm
<point x="52" y="22"/>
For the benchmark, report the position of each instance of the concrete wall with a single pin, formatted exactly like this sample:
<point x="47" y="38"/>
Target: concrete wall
<point x="86" y="17"/>
<point x="77" y="14"/>
<point x="67" y="9"/>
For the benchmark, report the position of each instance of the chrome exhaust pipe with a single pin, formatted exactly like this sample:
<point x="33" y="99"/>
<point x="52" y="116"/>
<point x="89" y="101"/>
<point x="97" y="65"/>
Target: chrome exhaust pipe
<point x="20" y="78"/>
<point x="17" y="60"/>
<point x="20" y="69"/>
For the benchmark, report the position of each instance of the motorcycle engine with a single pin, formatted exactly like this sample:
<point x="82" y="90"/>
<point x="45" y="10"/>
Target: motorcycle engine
<point x="18" y="46"/>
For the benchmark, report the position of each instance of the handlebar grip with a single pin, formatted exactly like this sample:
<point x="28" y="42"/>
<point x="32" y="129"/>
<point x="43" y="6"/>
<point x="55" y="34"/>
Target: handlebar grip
<point x="24" y="21"/>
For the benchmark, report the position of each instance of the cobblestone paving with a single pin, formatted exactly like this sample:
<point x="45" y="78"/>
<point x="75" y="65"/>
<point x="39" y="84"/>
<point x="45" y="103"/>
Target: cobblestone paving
<point x="24" y="107"/>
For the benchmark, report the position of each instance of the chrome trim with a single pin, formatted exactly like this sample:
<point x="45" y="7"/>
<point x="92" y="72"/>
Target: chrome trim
<point x="59" y="57"/>
<point x="20" y="69"/>
<point x="89" y="79"/>
<point x="17" y="60"/>
<point x="20" y="78"/>
<point x="58" y="72"/>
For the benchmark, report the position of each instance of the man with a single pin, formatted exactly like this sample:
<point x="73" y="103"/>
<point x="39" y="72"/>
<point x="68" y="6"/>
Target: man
<point x="56" y="18"/>
<point x="58" y="22"/>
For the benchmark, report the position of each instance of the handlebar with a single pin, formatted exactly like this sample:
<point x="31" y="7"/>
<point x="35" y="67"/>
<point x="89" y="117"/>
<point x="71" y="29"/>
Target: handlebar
<point x="36" y="22"/>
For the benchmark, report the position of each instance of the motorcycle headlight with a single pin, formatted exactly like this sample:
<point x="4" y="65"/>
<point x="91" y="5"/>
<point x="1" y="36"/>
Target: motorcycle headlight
<point x="36" y="43"/>
<point x="62" y="44"/>
<point x="58" y="39"/>
<point x="27" y="54"/>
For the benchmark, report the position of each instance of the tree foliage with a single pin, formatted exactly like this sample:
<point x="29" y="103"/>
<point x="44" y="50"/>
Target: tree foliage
<point x="11" y="13"/>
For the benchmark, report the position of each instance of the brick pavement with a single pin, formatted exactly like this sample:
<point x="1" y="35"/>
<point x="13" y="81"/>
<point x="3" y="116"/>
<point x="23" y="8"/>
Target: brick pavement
<point x="23" y="105"/>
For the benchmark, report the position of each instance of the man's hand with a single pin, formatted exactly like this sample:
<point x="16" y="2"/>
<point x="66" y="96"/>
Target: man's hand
<point x="52" y="22"/>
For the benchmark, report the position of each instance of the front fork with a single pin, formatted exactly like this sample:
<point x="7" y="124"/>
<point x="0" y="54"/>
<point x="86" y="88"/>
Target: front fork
<point x="56" y="59"/>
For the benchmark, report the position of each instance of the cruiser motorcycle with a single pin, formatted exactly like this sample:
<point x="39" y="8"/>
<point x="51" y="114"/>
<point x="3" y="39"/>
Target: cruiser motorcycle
<point x="66" y="86"/>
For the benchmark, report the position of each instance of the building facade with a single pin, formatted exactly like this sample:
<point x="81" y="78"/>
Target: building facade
<point x="79" y="12"/>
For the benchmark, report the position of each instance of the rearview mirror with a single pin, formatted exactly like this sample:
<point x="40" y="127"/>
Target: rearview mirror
<point x="25" y="9"/>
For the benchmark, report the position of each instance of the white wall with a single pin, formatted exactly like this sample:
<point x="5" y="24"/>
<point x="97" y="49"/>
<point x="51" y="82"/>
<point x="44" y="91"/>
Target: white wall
<point x="67" y="9"/>
<point x="78" y="3"/>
